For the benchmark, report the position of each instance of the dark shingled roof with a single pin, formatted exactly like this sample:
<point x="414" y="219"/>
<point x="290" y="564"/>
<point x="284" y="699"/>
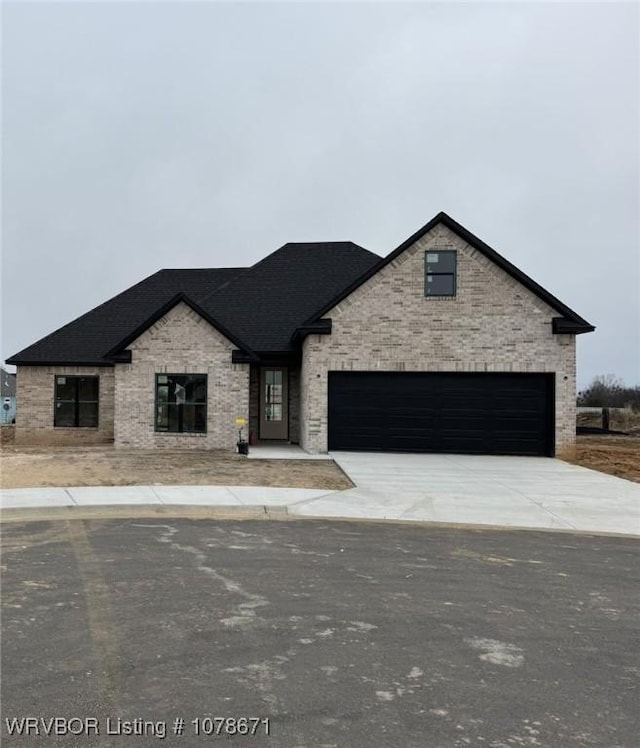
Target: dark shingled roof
<point x="258" y="308"/>
<point x="261" y="306"/>
<point x="265" y="306"/>
<point x="88" y="338"/>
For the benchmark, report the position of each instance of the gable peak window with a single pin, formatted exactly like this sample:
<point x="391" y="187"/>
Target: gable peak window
<point x="181" y="403"/>
<point x="76" y="401"/>
<point x="440" y="272"/>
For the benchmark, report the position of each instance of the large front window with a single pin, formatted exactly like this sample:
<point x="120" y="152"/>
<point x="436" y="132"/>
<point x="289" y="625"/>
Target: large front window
<point x="76" y="402"/>
<point x="181" y="403"/>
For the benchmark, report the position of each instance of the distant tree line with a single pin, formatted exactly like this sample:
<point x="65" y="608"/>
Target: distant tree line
<point x="609" y="392"/>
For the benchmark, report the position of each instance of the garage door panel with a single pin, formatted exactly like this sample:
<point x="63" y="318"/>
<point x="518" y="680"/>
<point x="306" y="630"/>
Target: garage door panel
<point x="457" y="419"/>
<point x="476" y="413"/>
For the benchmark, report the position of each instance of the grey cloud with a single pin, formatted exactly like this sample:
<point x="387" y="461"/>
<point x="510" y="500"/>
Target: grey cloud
<point x="140" y="136"/>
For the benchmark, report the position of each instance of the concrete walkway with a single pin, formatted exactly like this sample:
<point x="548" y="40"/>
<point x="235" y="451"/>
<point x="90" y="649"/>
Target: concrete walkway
<point x="22" y="498"/>
<point x="526" y="492"/>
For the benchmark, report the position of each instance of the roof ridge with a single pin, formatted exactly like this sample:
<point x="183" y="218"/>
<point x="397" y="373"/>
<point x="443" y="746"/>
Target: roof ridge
<point x="255" y="266"/>
<point x="328" y="241"/>
<point x="194" y="270"/>
<point x="231" y="281"/>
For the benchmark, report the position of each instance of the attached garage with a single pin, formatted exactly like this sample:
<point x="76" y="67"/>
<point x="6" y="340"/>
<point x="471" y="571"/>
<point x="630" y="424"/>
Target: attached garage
<point x="465" y="413"/>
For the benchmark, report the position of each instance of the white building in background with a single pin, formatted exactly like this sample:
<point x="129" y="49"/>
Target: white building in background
<point x="7" y="396"/>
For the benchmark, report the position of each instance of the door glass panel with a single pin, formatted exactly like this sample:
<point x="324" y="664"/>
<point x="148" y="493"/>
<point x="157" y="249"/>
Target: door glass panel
<point x="273" y="395"/>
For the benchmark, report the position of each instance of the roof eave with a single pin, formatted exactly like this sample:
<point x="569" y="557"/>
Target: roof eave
<point x="15" y="361"/>
<point x="319" y="327"/>
<point x="242" y="357"/>
<point x="563" y="326"/>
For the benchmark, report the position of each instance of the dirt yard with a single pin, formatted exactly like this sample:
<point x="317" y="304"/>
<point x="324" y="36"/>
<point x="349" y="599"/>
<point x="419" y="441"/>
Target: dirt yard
<point x="616" y="455"/>
<point x="104" y="466"/>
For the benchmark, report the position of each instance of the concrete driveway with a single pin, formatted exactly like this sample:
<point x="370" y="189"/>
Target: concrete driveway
<point x="515" y="492"/>
<point x="503" y="491"/>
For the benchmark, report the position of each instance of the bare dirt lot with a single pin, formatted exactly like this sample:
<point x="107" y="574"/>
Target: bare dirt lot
<point x="104" y="466"/>
<point x="616" y="455"/>
<point x="23" y="467"/>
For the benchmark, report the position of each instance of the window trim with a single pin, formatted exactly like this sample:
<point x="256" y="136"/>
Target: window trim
<point x="453" y="274"/>
<point x="205" y="405"/>
<point x="76" y="401"/>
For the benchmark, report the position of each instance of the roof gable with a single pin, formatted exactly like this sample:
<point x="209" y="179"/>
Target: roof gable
<point x="569" y="322"/>
<point x="179" y="298"/>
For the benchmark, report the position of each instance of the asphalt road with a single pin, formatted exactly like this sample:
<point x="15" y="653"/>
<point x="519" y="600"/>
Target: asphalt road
<point x="321" y="633"/>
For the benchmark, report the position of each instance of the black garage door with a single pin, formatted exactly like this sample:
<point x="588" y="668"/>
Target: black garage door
<point x="472" y="413"/>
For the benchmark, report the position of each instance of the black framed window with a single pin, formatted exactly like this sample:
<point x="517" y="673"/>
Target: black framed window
<point x="440" y="272"/>
<point x="181" y="403"/>
<point x="76" y="401"/>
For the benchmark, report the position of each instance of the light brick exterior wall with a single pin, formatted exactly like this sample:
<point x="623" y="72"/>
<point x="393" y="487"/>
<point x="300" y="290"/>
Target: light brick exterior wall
<point x="294" y="405"/>
<point x="180" y="343"/>
<point x="492" y="324"/>
<point x="35" y="397"/>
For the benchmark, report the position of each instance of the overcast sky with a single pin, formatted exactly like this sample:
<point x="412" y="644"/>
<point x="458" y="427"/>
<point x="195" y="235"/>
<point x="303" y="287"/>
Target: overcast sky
<point x="138" y="136"/>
